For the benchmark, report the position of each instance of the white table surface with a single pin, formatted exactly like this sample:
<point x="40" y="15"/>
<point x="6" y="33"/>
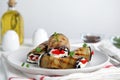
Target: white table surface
<point x="2" y="73"/>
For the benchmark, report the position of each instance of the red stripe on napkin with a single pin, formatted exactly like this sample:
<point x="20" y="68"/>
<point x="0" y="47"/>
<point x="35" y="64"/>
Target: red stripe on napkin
<point x="108" y="66"/>
<point x="42" y="78"/>
<point x="18" y="78"/>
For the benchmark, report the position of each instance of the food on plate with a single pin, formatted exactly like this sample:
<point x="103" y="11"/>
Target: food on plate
<point x="51" y="62"/>
<point x="56" y="54"/>
<point x="84" y="52"/>
<point x="33" y="55"/>
<point x="58" y="45"/>
<point x="75" y="59"/>
<point x="58" y="40"/>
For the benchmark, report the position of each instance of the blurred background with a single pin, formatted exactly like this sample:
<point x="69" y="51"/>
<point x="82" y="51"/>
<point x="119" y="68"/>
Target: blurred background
<point x="71" y="17"/>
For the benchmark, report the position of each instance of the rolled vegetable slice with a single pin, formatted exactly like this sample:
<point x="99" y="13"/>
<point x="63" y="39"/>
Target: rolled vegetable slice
<point x="33" y="55"/>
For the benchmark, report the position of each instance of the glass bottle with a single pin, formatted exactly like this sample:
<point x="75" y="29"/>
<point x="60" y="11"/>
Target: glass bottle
<point x="12" y="20"/>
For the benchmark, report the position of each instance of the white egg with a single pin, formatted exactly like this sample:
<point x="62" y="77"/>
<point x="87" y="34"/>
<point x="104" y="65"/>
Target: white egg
<point x="39" y="36"/>
<point x="10" y="41"/>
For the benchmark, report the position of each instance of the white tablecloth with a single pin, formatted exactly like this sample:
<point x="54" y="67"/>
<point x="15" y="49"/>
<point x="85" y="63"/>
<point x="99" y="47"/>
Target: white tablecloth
<point x="2" y="73"/>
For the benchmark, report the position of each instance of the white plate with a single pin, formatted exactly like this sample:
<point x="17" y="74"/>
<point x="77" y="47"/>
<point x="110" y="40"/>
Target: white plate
<point x="16" y="58"/>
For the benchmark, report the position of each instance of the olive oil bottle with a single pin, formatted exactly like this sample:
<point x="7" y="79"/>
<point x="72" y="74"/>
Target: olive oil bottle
<point x="12" y="20"/>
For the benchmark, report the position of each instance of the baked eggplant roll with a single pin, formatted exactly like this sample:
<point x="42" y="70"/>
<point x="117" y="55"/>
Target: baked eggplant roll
<point x="33" y="55"/>
<point x="58" y="40"/>
<point x="83" y="52"/>
<point x="58" y="45"/>
<point x="47" y="61"/>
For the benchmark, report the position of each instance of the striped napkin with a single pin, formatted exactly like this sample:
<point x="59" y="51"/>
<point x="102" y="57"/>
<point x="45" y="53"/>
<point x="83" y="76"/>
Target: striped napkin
<point x="108" y="48"/>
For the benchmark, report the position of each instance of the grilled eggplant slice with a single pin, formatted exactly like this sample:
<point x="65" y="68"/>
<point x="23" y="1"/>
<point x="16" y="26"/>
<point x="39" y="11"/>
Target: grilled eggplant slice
<point x="47" y="61"/>
<point x="58" y="45"/>
<point x="33" y="55"/>
<point x="57" y="40"/>
<point x="83" y="52"/>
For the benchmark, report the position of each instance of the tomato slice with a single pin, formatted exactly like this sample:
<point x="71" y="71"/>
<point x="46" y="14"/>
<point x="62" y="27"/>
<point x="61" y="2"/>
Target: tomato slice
<point x="57" y="51"/>
<point x="83" y="61"/>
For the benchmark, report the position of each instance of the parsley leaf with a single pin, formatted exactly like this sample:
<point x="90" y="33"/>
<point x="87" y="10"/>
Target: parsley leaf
<point x="38" y="49"/>
<point x="55" y="33"/>
<point x="23" y="64"/>
<point x="27" y="65"/>
<point x="56" y="36"/>
<point x="71" y="53"/>
<point x="84" y="45"/>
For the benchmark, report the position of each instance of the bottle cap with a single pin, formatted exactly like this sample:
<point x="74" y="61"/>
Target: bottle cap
<point x="12" y="3"/>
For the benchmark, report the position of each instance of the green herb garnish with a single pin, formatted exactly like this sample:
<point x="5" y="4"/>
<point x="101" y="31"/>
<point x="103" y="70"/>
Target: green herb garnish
<point x="117" y="39"/>
<point x="56" y="36"/>
<point x="117" y="42"/>
<point x="38" y="49"/>
<point x="71" y="53"/>
<point x="84" y="45"/>
<point x="23" y="64"/>
<point x="27" y="65"/>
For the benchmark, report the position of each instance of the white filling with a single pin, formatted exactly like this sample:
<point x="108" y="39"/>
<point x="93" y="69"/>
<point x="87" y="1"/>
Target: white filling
<point x="58" y="55"/>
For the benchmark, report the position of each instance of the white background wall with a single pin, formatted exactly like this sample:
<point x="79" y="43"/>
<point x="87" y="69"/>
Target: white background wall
<point x="71" y="17"/>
